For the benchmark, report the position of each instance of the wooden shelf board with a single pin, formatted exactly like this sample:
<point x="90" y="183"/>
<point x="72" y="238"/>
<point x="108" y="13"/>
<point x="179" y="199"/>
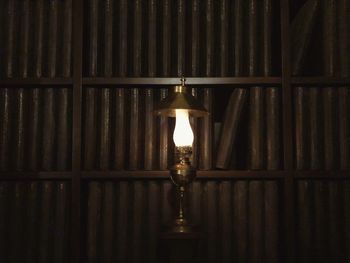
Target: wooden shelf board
<point x="211" y="174"/>
<point x="322" y="81"/>
<point x="319" y="174"/>
<point x="189" y="81"/>
<point x="35" y="81"/>
<point x="35" y="175"/>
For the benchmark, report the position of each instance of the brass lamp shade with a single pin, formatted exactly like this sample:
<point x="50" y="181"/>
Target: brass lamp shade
<point x="180" y="99"/>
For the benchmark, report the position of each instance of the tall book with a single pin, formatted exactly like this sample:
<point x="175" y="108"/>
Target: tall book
<point x="302" y="26"/>
<point x="230" y="127"/>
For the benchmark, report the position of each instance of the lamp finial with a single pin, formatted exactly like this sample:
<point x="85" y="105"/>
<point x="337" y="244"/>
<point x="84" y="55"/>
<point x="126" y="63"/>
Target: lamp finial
<point x="183" y="80"/>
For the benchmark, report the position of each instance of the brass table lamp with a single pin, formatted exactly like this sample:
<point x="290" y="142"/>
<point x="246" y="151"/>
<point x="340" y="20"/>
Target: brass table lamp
<point x="182" y="105"/>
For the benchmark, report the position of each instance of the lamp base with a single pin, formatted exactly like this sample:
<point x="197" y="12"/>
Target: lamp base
<point x="180" y="225"/>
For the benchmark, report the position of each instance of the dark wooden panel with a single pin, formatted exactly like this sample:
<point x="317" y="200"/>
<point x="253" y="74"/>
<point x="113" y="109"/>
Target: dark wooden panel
<point x="192" y="36"/>
<point x="321" y="227"/>
<point x="37" y="39"/>
<point x="321" y="128"/>
<point x="35" y="221"/>
<point x="212" y="205"/>
<point x="36" y="129"/>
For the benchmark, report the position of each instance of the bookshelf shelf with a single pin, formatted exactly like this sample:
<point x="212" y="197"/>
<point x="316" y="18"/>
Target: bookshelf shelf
<point x="189" y="81"/>
<point x="15" y="82"/>
<point x="35" y="175"/>
<point x="322" y="81"/>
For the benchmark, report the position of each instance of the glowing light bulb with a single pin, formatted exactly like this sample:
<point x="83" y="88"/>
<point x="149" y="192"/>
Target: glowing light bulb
<point x="183" y="135"/>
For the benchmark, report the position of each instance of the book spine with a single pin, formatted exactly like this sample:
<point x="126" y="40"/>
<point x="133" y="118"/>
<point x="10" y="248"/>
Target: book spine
<point x="134" y="139"/>
<point x="224" y="37"/>
<point x="206" y="132"/>
<point x="93" y="38"/>
<point x="52" y="44"/>
<point x="104" y="153"/>
<point x="240" y="220"/>
<point x="343" y="37"/>
<point x="256" y="128"/>
<point x="150" y="131"/>
<point x="315" y="128"/>
<point x="271" y="221"/>
<point x="19" y="132"/>
<point x="335" y="230"/>
<point x="119" y="145"/>
<point x="344" y="127"/>
<point x="195" y="33"/>
<point x="329" y="122"/>
<point x="211" y="215"/>
<point x="16" y="222"/>
<point x="89" y="132"/>
<point x="301" y="32"/>
<point x="303" y="221"/>
<point x="48" y="130"/>
<point x="238" y="38"/>
<point x="167" y="195"/>
<point x="153" y="219"/>
<point x="34" y="129"/>
<point x="10" y="39"/>
<point x="60" y="241"/>
<point x="252" y="37"/>
<point x="45" y="221"/>
<point x="195" y="203"/>
<point x="230" y="127"/>
<point x="346" y="215"/>
<point x="194" y="125"/>
<point x="273" y="128"/>
<point x="226" y="214"/>
<point x="318" y="219"/>
<point x="138" y="208"/>
<point x="181" y="34"/>
<point x="123" y="38"/>
<point x="4" y="195"/>
<point x="152" y="54"/>
<point x="32" y="224"/>
<point x="67" y="39"/>
<point x="24" y="41"/>
<point x="63" y="131"/>
<point x="209" y="38"/>
<point x="164" y="136"/>
<point x="137" y="38"/>
<point x="108" y="220"/>
<point x="300" y="128"/>
<point x="93" y="221"/>
<point x="123" y="222"/>
<point x="267" y="37"/>
<point x="38" y="38"/>
<point x="5" y="129"/>
<point x="255" y="220"/>
<point x="108" y="38"/>
<point x="166" y="38"/>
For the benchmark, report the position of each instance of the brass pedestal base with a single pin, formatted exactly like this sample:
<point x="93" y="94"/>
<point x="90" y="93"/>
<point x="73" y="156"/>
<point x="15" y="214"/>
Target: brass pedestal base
<point x="180" y="225"/>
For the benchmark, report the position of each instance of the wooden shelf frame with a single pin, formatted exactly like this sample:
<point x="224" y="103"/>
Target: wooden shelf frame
<point x="78" y="82"/>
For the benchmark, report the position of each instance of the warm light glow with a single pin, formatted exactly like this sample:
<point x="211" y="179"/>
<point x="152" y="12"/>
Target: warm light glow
<point x="183" y="134"/>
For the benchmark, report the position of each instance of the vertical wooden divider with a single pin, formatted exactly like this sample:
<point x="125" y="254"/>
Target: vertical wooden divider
<point x="289" y="216"/>
<point x="76" y="147"/>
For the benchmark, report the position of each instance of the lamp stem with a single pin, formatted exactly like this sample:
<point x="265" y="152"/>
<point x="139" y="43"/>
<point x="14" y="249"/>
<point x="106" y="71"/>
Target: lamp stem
<point x="181" y="207"/>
